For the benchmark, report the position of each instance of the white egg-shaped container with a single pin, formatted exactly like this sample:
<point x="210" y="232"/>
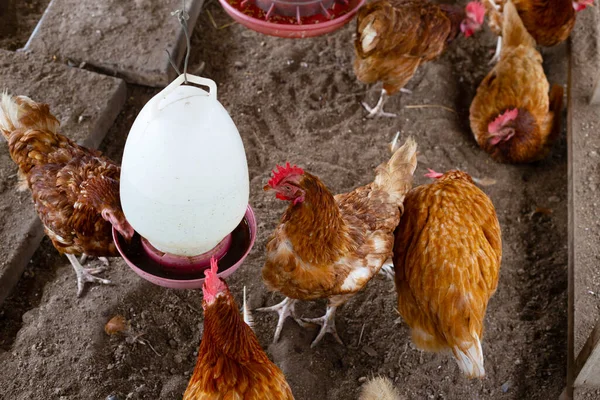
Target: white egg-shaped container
<point x="184" y="175"/>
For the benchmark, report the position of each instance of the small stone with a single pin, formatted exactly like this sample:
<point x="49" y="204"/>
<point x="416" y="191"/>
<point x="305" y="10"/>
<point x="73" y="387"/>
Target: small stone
<point x="238" y="64"/>
<point x="362" y="379"/>
<point x="303" y="64"/>
<point x="370" y="351"/>
<point x="172" y="343"/>
<point x="113" y="397"/>
<point x="505" y="386"/>
<point x="178" y="359"/>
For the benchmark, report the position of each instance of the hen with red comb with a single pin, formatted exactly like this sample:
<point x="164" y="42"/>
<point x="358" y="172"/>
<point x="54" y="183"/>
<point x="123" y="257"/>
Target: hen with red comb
<point x="330" y="246"/>
<point x="513" y="117"/>
<point x="213" y="285"/>
<point x="281" y="172"/>
<point x="231" y="363"/>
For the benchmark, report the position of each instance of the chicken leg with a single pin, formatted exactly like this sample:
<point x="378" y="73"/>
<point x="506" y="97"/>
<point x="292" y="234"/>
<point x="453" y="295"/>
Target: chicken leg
<point x="84" y="258"/>
<point x="377" y="111"/>
<point x="387" y="269"/>
<point x="85" y="274"/>
<point x="284" y="309"/>
<point x="327" y="323"/>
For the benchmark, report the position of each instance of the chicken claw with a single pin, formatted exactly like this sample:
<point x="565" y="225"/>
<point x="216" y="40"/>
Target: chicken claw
<point x="387" y="270"/>
<point x="377" y="111"/>
<point x="327" y="323"/>
<point x="284" y="309"/>
<point x="84" y="258"/>
<point x="85" y="274"/>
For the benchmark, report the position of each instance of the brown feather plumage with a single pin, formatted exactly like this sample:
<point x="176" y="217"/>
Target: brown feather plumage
<point x="70" y="184"/>
<point x="409" y="32"/>
<point x="447" y="259"/>
<point x="322" y="240"/>
<point x="549" y="22"/>
<point x="231" y="364"/>
<point x="518" y="82"/>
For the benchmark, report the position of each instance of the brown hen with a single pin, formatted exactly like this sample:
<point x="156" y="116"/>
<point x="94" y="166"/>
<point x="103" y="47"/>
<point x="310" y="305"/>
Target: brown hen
<point x="512" y="116"/>
<point x="75" y="190"/>
<point x="231" y="364"/>
<point x="330" y="246"/>
<point x="394" y="37"/>
<point x="549" y="22"/>
<point x="447" y="261"/>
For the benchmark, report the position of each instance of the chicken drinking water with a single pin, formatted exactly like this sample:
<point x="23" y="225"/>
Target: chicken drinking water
<point x="75" y="190"/>
<point x="330" y="246"/>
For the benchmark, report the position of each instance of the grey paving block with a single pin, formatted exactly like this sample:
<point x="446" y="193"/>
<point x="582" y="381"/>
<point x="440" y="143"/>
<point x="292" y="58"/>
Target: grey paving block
<point x="584" y="174"/>
<point x="86" y="104"/>
<point x="126" y="38"/>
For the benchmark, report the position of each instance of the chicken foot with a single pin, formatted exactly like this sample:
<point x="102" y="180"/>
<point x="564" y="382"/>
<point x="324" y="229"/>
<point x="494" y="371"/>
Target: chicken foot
<point x="284" y="309"/>
<point x="84" y="258"/>
<point x="327" y="323"/>
<point x="377" y="111"/>
<point x="85" y="274"/>
<point x="387" y="269"/>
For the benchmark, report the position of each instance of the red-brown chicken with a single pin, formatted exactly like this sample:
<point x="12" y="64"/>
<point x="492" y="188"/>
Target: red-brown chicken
<point x="75" y="190"/>
<point x="549" y="22"/>
<point x="331" y="246"/>
<point x="394" y="37"/>
<point x="447" y="261"/>
<point x="512" y="116"/>
<point x="231" y="364"/>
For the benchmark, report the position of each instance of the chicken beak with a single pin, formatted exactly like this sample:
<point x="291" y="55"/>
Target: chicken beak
<point x="266" y="188"/>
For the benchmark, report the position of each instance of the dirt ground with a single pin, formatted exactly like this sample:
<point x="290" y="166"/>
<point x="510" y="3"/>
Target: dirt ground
<point x="299" y="101"/>
<point x="19" y="18"/>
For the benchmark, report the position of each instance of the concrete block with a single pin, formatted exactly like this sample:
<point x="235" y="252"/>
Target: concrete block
<point x="122" y="38"/>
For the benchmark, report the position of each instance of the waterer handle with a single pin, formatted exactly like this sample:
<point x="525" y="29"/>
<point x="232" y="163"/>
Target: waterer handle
<point x="177" y="82"/>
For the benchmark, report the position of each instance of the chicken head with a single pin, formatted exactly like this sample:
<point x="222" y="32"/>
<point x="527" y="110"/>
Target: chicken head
<point x="213" y="286"/>
<point x="580" y="5"/>
<point x="475" y="14"/>
<point x="286" y="182"/>
<point x="102" y="194"/>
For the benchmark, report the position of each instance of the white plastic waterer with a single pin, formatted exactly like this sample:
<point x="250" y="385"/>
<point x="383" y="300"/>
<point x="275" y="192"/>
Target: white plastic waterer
<point x="184" y="175"/>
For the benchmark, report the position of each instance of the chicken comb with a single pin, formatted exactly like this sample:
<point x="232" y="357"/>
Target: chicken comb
<point x="283" y="171"/>
<point x="212" y="283"/>
<point x="502" y="119"/>
<point x="476" y="10"/>
<point x="432" y="174"/>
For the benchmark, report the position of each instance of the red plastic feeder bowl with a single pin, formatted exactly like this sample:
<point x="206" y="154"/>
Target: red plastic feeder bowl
<point x="187" y="272"/>
<point x="292" y="18"/>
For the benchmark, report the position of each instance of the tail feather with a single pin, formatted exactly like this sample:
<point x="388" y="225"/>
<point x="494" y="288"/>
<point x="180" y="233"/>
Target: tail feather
<point x="21" y="112"/>
<point x="556" y="103"/>
<point x="513" y="30"/>
<point x="379" y="388"/>
<point x="470" y="361"/>
<point x="396" y="175"/>
<point x="248" y="318"/>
